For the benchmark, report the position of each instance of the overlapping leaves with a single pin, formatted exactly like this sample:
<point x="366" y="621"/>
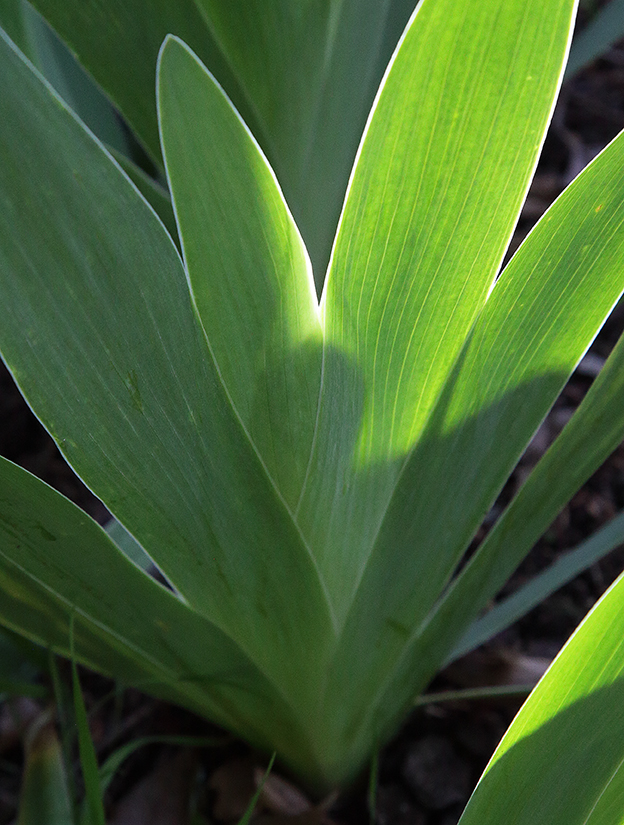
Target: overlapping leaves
<point x="307" y="477"/>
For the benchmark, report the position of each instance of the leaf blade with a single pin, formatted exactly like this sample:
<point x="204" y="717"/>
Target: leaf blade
<point x="100" y="310"/>
<point x="539" y="320"/>
<point x="411" y="266"/>
<point x="248" y="268"/>
<point x="561" y="759"/>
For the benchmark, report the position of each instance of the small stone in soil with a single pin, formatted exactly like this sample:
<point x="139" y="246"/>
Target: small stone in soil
<point x="394" y="807"/>
<point x="436" y="774"/>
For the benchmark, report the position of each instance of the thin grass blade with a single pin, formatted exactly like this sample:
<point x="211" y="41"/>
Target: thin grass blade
<point x="112" y="764"/>
<point x="562" y="571"/>
<point x="94" y="803"/>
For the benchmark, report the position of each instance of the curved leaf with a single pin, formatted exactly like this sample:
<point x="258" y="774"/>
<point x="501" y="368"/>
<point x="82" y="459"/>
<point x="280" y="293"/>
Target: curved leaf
<point x="249" y="271"/>
<point x="310" y="70"/>
<point x="100" y="332"/>
<point x="561" y="761"/>
<point x="57" y="563"/>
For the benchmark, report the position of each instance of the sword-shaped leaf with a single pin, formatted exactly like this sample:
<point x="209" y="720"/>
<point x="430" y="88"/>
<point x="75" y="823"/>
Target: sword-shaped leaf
<point x="542" y="314"/>
<point x="561" y="761"/>
<point x="100" y="332"/>
<point x="310" y="70"/>
<point x="443" y="167"/>
<point x="248" y="268"/>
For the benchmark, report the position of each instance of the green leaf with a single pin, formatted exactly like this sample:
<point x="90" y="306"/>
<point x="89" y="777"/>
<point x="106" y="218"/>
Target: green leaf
<point x="310" y="70"/>
<point x="118" y="43"/>
<point x="56" y="562"/>
<point x="540" y="318"/>
<point x="561" y="760"/>
<point x="560" y="572"/>
<point x="97" y="308"/>
<point x="442" y="171"/>
<point x="594" y="431"/>
<point x="88" y="760"/>
<point x="248" y="268"/>
<point x="44" y="796"/>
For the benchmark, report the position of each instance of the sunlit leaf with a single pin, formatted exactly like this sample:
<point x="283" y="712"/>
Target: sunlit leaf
<point x="248" y="268"/>
<point x="560" y="762"/>
<point x="310" y="70"/>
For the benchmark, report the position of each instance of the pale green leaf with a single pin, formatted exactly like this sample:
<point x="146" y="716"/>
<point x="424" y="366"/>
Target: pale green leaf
<point x="101" y="335"/>
<point x="248" y="268"/>
<point x="538" y="321"/>
<point x="560" y="762"/>
<point x="444" y="165"/>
